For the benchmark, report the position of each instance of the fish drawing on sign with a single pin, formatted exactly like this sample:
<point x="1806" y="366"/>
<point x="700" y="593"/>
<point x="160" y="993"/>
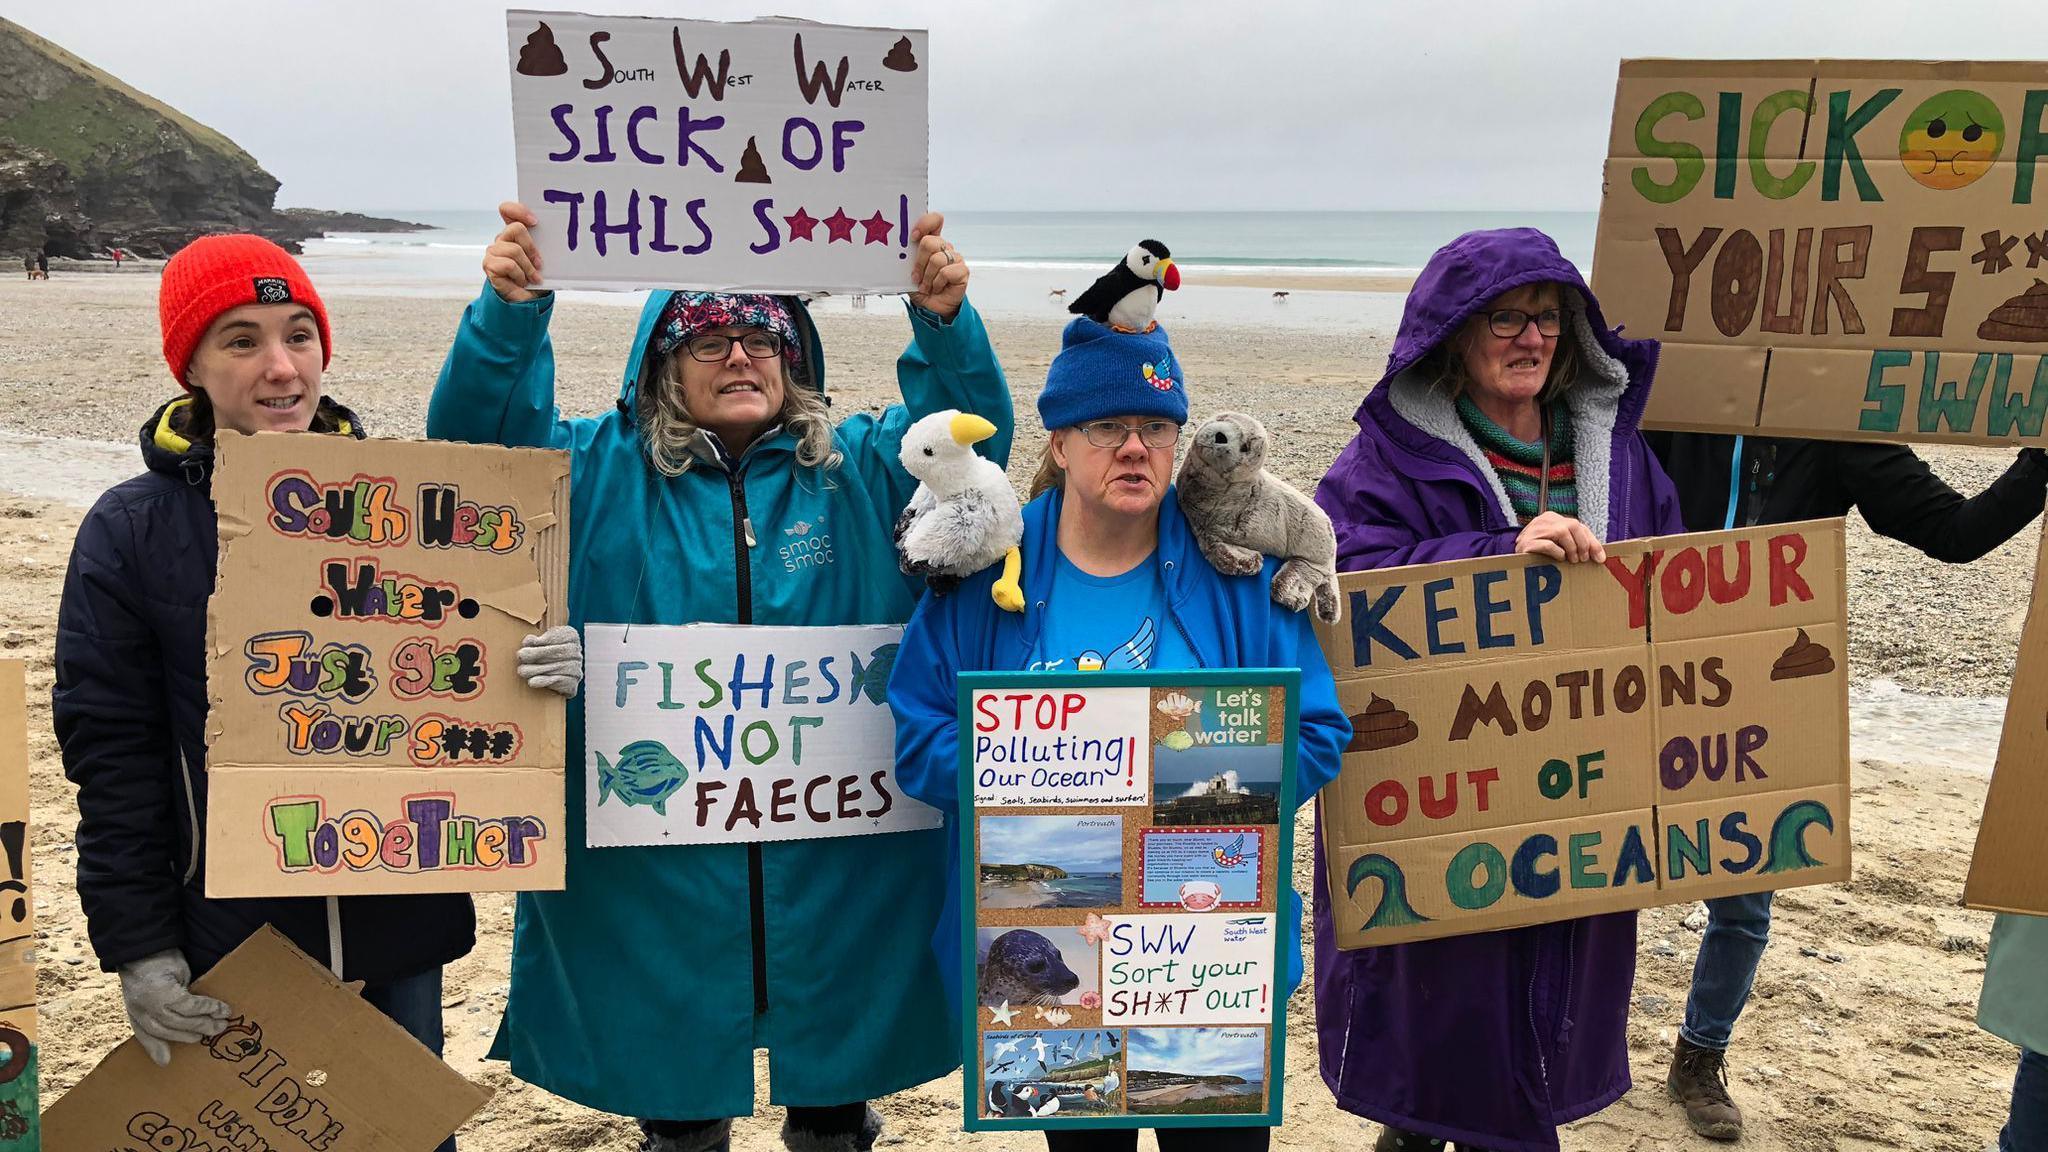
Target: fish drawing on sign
<point x="647" y="774"/>
<point x="874" y="679"/>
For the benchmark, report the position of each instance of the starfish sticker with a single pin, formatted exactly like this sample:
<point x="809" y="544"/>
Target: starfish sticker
<point x="1005" y="1014"/>
<point x="878" y="229"/>
<point x="801" y="225"/>
<point x="1095" y="929"/>
<point x="840" y="226"/>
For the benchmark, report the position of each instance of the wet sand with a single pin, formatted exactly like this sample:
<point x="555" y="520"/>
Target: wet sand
<point x="1860" y="1033"/>
<point x="1016" y="894"/>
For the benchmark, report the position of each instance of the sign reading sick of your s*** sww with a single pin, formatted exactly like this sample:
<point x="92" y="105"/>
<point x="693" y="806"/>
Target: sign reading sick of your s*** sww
<point x="368" y="731"/>
<point x="728" y="733"/>
<point x="1841" y="249"/>
<point x="1535" y="741"/>
<point x="767" y="156"/>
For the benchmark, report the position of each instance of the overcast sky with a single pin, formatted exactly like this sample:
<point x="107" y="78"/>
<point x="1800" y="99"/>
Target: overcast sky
<point x="1069" y="104"/>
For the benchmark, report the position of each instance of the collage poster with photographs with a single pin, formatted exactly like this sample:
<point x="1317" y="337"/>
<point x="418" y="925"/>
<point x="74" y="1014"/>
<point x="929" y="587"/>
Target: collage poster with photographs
<point x="1125" y="869"/>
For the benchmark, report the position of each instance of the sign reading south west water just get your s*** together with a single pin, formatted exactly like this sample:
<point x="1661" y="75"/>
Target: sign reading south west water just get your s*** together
<point x="368" y="731"/>
<point x="1125" y="858"/>
<point x="1536" y="741"/>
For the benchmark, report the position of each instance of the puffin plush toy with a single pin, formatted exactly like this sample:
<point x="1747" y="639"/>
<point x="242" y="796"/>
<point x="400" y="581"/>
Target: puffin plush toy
<point x="1125" y="297"/>
<point x="964" y="515"/>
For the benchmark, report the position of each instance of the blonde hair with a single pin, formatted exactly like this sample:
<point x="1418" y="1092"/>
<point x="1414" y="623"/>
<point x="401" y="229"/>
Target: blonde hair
<point x="1455" y="381"/>
<point x="668" y="431"/>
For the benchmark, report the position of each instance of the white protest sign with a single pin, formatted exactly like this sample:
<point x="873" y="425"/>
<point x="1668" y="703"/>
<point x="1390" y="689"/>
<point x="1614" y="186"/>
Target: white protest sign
<point x="723" y="734"/>
<point x="769" y="156"/>
<point x="1188" y="969"/>
<point x="1062" y="746"/>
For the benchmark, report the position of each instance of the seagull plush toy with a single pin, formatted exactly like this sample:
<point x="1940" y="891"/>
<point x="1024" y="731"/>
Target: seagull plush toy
<point x="1127" y="294"/>
<point x="964" y="515"/>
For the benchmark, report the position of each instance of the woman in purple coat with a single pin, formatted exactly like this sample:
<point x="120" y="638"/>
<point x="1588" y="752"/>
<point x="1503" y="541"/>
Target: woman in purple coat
<point x="1506" y="422"/>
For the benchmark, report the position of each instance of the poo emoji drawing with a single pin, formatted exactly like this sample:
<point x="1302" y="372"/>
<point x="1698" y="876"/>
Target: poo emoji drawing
<point x="1951" y="139"/>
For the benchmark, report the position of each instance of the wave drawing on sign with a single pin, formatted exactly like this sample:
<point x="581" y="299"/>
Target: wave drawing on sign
<point x="1788" y="836"/>
<point x="1393" y="910"/>
<point x="647" y="774"/>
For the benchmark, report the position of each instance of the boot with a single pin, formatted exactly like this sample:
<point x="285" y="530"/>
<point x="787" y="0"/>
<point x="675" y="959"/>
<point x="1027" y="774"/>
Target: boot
<point x="805" y="1140"/>
<point x="1394" y="1139"/>
<point x="686" y="1135"/>
<point x="1699" y="1081"/>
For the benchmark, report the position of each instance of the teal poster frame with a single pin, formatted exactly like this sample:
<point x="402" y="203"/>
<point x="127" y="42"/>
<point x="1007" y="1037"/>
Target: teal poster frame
<point x="974" y="1091"/>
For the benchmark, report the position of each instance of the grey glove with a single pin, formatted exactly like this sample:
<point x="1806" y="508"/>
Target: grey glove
<point x="162" y="1010"/>
<point x="553" y="660"/>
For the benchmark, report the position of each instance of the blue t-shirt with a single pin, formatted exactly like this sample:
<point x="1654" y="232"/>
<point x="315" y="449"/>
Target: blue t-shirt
<point x="1108" y="623"/>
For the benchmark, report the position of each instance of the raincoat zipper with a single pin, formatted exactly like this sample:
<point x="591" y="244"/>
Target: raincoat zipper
<point x="742" y="541"/>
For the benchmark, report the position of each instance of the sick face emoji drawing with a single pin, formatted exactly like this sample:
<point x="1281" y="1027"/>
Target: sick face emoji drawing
<point x="1951" y="139"/>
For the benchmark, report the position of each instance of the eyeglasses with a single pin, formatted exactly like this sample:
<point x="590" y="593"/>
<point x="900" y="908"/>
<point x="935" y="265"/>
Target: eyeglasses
<point x="1114" y="433"/>
<point x="1508" y="323"/>
<point x="711" y="347"/>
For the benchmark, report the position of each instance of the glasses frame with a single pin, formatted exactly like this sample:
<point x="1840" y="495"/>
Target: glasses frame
<point x="1126" y="431"/>
<point x="725" y="349"/>
<point x="1493" y="322"/>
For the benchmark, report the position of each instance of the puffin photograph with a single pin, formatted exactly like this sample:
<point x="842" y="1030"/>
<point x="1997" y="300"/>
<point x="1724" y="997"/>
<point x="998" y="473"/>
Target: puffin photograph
<point x="1126" y="295"/>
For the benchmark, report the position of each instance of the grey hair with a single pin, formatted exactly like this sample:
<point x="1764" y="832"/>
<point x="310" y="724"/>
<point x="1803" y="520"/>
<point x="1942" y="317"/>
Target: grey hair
<point x="670" y="434"/>
<point x="1454" y="380"/>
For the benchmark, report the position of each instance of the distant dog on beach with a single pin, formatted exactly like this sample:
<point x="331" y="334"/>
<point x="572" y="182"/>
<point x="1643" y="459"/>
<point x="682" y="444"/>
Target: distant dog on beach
<point x="1280" y="296"/>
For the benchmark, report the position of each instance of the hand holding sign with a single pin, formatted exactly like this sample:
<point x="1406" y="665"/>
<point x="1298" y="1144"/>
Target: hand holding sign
<point x="940" y="274"/>
<point x="513" y="260"/>
<point x="1560" y="538"/>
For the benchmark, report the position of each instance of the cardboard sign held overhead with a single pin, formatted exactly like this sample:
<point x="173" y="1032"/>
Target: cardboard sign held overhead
<point x="368" y="731"/>
<point x="18" y="1056"/>
<point x="2007" y="871"/>
<point x="730" y="734"/>
<point x="304" y="1064"/>
<point x="1535" y="741"/>
<point x="1125" y="859"/>
<point x="1836" y="249"/>
<point x="768" y="156"/>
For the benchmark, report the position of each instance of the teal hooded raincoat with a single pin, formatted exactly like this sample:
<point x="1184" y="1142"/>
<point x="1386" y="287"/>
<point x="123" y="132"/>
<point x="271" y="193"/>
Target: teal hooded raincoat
<point x="646" y="986"/>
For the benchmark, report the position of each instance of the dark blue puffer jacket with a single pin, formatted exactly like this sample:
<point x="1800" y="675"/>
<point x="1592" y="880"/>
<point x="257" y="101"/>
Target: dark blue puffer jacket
<point x="130" y="712"/>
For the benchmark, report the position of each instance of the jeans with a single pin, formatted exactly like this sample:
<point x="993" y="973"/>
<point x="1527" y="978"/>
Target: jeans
<point x="414" y="1003"/>
<point x="2026" y="1130"/>
<point x="1730" y="950"/>
<point x="1253" y="1139"/>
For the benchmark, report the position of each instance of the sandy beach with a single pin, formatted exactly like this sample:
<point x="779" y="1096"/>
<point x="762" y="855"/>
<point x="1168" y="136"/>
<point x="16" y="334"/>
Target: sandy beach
<point x="1860" y="1035"/>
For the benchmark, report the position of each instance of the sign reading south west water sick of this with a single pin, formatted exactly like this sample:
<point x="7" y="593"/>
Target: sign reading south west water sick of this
<point x="1841" y="249"/>
<point x="718" y="734"/>
<point x="1060" y="746"/>
<point x="770" y="155"/>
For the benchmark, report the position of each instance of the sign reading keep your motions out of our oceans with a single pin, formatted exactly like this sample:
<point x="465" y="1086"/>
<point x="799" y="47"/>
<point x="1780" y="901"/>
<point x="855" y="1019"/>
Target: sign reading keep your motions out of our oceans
<point x="1535" y="741"/>
<point x="1834" y="249"/>
<point x="368" y="728"/>
<point x="1125" y="854"/>
<point x="771" y="155"/>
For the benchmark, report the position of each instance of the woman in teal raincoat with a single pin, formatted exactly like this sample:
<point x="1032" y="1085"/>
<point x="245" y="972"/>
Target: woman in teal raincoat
<point x="646" y="986"/>
<point x="2015" y="1006"/>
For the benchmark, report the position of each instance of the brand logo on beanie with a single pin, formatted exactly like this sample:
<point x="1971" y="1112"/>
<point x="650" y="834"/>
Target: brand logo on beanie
<point x="1160" y="376"/>
<point x="272" y="290"/>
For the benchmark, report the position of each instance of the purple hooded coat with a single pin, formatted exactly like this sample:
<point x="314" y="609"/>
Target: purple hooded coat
<point x="1495" y="1039"/>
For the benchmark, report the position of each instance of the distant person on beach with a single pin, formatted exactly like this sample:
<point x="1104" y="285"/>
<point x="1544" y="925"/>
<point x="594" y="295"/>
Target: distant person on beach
<point x="1110" y="567"/>
<point x="647" y="986"/>
<point x="1737" y="481"/>
<point x="43" y="264"/>
<point x="130" y="700"/>
<point x="1505" y="423"/>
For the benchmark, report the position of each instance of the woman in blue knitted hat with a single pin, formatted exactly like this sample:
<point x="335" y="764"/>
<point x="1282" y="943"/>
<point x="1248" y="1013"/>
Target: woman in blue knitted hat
<point x="1113" y="579"/>
<point x="720" y="490"/>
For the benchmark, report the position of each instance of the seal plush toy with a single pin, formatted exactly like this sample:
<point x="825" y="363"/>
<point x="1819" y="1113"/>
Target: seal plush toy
<point x="964" y="515"/>
<point x="1239" y="511"/>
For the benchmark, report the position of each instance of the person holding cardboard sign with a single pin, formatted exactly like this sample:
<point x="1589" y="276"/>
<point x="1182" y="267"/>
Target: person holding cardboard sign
<point x="1113" y="578"/>
<point x="247" y="337"/>
<point x="719" y="490"/>
<point x="1505" y="423"/>
<point x="1736" y="481"/>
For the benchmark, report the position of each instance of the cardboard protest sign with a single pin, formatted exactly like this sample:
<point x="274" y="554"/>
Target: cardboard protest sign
<point x="1535" y="741"/>
<point x="303" y="1064"/>
<point x="1833" y="248"/>
<point x="2007" y="872"/>
<point x="18" y="1058"/>
<point x="767" y="156"/>
<point x="368" y="730"/>
<point x="1126" y="854"/>
<point x="726" y="734"/>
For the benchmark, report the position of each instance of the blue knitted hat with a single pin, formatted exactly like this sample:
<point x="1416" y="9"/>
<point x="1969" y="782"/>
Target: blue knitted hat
<point x="1101" y="372"/>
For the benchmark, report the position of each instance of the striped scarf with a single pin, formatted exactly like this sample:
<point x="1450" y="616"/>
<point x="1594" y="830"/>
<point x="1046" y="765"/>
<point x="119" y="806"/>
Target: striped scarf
<point x="1519" y="464"/>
